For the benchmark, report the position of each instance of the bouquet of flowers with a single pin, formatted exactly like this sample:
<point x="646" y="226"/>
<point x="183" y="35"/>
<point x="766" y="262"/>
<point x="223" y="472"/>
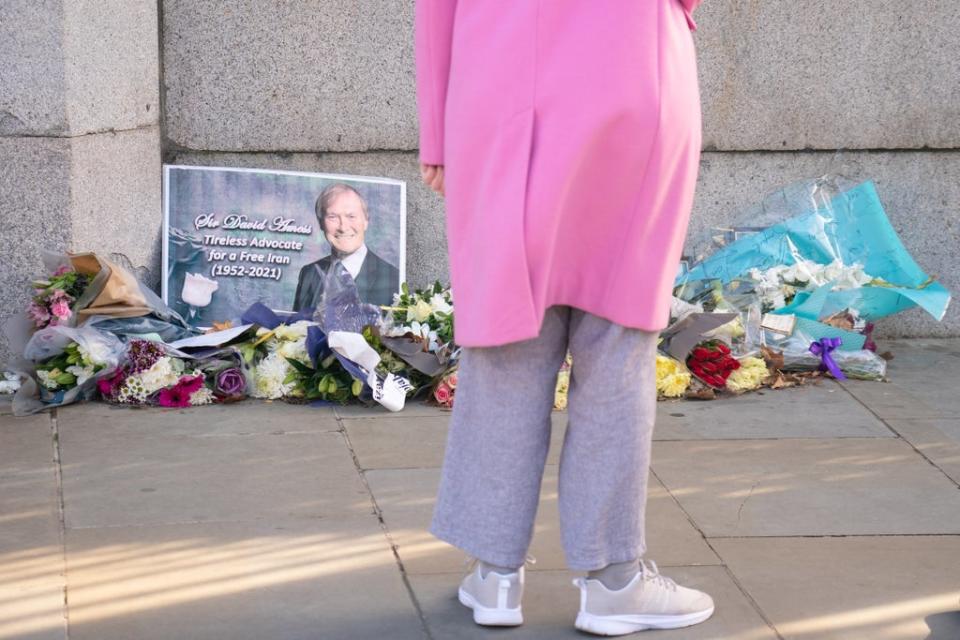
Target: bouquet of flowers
<point x="562" y="389"/>
<point x="270" y="359"/>
<point x="53" y="297"/>
<point x="73" y="367"/>
<point x="65" y="363"/>
<point x="444" y="390"/>
<point x="673" y="378"/>
<point x="711" y="362"/>
<point x="426" y="315"/>
<point x="152" y="375"/>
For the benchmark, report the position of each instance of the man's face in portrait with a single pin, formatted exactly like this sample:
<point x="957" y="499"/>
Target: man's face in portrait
<point x="345" y="223"/>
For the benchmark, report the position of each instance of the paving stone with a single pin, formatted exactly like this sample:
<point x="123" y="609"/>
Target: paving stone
<point x="31" y="556"/>
<point x="550" y="605"/>
<point x="938" y="439"/>
<point x="99" y="420"/>
<point x="922" y="376"/>
<point x="416" y="442"/>
<point x="787" y="413"/>
<point x="28" y="500"/>
<point x="414" y="409"/>
<point x="406" y="498"/>
<point x="327" y="578"/>
<point x="902" y="587"/>
<point x="808" y="487"/>
<point x="145" y="480"/>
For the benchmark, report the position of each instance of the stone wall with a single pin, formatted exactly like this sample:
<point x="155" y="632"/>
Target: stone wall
<point x="325" y="86"/>
<point x="87" y="106"/>
<point x="79" y="135"/>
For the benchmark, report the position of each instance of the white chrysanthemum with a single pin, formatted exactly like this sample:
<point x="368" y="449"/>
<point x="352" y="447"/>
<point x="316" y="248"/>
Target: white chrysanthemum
<point x="132" y="391"/>
<point x="163" y="373"/>
<point x="203" y="395"/>
<point x="268" y="378"/>
<point x="81" y="373"/>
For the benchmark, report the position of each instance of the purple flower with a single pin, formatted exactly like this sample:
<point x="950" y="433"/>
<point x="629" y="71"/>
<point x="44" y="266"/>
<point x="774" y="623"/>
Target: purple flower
<point x="230" y="382"/>
<point x="143" y="354"/>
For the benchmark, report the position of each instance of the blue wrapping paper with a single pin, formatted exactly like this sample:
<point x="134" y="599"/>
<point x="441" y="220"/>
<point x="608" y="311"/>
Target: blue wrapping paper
<point x="852" y="227"/>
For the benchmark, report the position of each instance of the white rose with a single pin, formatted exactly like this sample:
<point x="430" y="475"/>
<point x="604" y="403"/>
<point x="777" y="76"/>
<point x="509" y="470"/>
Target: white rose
<point x="419" y="312"/>
<point x="439" y="304"/>
<point x="198" y="290"/>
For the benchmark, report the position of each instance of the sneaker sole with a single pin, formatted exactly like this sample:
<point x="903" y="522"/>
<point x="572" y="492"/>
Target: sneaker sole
<point x="491" y="617"/>
<point x="622" y="625"/>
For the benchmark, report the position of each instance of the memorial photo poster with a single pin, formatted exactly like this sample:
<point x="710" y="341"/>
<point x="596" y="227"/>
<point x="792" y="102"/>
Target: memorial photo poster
<point x="233" y="237"/>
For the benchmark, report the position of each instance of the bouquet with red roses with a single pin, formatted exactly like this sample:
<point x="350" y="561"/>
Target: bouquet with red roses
<point x="711" y="362"/>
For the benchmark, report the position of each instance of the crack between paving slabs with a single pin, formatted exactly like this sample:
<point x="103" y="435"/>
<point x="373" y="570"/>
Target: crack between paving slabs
<point x="62" y="529"/>
<point x="386" y="531"/>
<point x="706" y="540"/>
<point x="899" y="435"/>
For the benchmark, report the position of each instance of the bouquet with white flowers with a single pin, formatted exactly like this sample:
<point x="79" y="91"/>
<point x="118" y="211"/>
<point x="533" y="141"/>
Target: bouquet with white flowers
<point x="270" y="358"/>
<point x="155" y="374"/>
<point x="426" y="315"/>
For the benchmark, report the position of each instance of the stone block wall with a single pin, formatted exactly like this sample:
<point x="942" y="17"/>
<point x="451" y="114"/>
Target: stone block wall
<point x="96" y="91"/>
<point x="79" y="135"/>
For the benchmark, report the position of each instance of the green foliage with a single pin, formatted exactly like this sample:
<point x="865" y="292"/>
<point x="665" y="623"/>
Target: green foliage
<point x="329" y="381"/>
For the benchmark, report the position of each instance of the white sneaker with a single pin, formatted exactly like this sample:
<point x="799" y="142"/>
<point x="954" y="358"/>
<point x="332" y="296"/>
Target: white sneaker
<point x="649" y="601"/>
<point x="495" y="600"/>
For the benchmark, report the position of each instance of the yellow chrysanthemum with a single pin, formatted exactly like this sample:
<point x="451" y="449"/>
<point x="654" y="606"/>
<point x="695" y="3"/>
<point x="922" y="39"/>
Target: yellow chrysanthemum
<point x="560" y="394"/>
<point x="751" y="372"/>
<point x="672" y="377"/>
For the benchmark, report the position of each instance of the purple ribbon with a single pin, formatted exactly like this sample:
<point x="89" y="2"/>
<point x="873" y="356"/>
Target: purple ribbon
<point x="822" y="348"/>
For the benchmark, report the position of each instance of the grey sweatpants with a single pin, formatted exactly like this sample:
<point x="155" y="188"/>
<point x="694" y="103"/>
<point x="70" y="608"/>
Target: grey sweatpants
<point x="500" y="433"/>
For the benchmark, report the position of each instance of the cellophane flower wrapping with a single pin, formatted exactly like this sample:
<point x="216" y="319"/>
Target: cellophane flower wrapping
<point x="62" y="364"/>
<point x="816" y="249"/>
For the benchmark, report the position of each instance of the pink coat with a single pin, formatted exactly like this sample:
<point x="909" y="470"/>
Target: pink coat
<point x="570" y="135"/>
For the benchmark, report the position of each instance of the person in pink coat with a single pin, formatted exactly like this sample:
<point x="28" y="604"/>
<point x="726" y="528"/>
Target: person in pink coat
<point x="565" y="136"/>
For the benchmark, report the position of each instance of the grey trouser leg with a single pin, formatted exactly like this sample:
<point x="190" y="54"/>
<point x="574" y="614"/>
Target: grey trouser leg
<point x="500" y="434"/>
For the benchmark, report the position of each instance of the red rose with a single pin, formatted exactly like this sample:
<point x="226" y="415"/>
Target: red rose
<point x="699" y="353"/>
<point x="724" y="349"/>
<point x="711" y="367"/>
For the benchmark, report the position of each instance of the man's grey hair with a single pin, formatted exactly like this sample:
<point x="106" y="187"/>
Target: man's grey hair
<point x="330" y="193"/>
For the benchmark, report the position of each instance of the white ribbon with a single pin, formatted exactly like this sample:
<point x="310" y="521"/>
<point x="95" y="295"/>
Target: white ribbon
<point x="391" y="391"/>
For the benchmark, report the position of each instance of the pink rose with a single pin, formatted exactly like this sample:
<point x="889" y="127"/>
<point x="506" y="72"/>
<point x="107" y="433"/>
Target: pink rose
<point x="443" y="394"/>
<point x="62" y="269"/>
<point x="451" y="380"/>
<point x="60" y="309"/>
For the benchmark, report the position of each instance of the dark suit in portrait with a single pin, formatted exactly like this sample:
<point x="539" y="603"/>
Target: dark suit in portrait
<point x="376" y="282"/>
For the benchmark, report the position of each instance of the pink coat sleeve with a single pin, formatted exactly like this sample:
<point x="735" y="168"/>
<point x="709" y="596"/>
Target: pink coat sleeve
<point x="433" y="35"/>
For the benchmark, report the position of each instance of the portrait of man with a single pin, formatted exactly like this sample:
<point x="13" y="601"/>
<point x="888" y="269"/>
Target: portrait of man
<point x="344" y="219"/>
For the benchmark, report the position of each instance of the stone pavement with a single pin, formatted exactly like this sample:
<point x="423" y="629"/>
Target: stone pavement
<point x="830" y="511"/>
